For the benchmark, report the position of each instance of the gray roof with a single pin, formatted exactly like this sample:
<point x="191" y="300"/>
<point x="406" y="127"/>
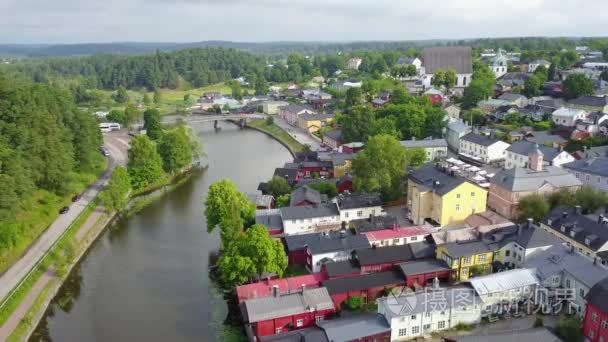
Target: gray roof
<point x="503" y="281"/>
<point x="559" y="259"/>
<point x="582" y="226"/>
<point x="422" y="249"/>
<point x="341" y="158"/>
<point x="405" y="60"/>
<point x="270" y="218"/>
<point x="355" y="328"/>
<point x="340" y="268"/>
<point x="459" y="127"/>
<point x="305" y="193"/>
<point x="544" y="137"/>
<point x="310" y="116"/>
<point x="373" y="223"/>
<point x="336" y="134"/>
<point x="265" y="308"/>
<point x="458" y="58"/>
<point x="382" y="255"/>
<point x="595" y="165"/>
<point x="592" y="101"/>
<point x="598" y="295"/>
<point x="524" y="148"/>
<point x="343" y="242"/>
<point x="423" y="266"/>
<point x="312" y="334"/>
<point x="533" y="334"/>
<point x="431" y="177"/>
<point x="598" y="151"/>
<point x="363" y="281"/>
<point x="511" y="97"/>
<point x="479" y="139"/>
<point x="359" y="200"/>
<point x="524" y="179"/>
<point x="466" y="248"/>
<point x="425" y="143"/>
<point x="294" y="108"/>
<point x="308" y="211"/>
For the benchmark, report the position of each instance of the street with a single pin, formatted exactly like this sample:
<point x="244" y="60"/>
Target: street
<point x="299" y="134"/>
<point x="116" y="143"/>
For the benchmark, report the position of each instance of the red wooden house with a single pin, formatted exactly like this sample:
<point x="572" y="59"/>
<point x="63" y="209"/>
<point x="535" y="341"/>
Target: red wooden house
<point x="378" y="259"/>
<point x="289" y="285"/>
<point x="595" y="323"/>
<point x="345" y="184"/>
<point x="368" y="286"/>
<point x="423" y="272"/>
<point x="281" y="313"/>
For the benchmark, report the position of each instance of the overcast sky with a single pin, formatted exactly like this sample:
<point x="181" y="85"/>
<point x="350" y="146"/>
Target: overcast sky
<point x="77" y="21"/>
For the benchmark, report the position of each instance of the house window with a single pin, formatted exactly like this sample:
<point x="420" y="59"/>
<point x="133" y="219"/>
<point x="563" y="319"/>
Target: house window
<point x="599" y="180"/>
<point x="427" y="327"/>
<point x="467" y="260"/>
<point x="591" y="333"/>
<point x="415" y="330"/>
<point x="441" y="325"/>
<point x="604" y="324"/>
<point x="346" y="214"/>
<point x="581" y="292"/>
<point x="319" y="319"/>
<point x="396" y="241"/>
<point x="457" y="195"/>
<point x="299" y="322"/>
<point x="277" y="331"/>
<point x="507" y="253"/>
<point x="427" y="314"/>
<point x="568" y="283"/>
<point x="402" y="319"/>
<point x="359" y="213"/>
<point x="413" y="317"/>
<point x="481" y="258"/>
<point x="473" y="194"/>
<point x="594" y="317"/>
<point x="457" y="207"/>
<point x="403" y="332"/>
<point x="414" y="238"/>
<point x="587" y="178"/>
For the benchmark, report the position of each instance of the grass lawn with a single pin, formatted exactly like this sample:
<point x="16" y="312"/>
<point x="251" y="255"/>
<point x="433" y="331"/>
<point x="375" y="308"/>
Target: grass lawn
<point x="278" y="133"/>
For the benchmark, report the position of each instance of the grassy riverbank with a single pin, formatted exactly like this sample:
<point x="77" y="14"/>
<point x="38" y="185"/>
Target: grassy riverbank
<point x="278" y="133"/>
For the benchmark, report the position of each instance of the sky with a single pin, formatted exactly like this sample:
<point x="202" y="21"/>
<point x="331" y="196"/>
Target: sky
<point x="79" y="21"/>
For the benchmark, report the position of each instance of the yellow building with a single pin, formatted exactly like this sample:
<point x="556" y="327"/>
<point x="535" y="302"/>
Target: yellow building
<point x="466" y="259"/>
<point x="441" y="198"/>
<point x="342" y="163"/>
<point x="314" y="122"/>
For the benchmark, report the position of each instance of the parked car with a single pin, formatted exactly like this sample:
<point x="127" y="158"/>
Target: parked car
<point x="64" y="210"/>
<point x="75" y="198"/>
<point x="104" y="151"/>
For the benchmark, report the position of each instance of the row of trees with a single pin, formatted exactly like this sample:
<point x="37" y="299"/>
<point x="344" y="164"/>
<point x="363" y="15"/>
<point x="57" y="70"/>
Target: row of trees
<point x="46" y="144"/>
<point x="538" y="206"/>
<point x="247" y="250"/>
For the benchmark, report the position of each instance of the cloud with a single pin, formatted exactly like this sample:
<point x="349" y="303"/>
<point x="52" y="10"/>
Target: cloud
<point x="70" y="21"/>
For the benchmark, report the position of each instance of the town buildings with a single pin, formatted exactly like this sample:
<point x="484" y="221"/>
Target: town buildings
<point x="359" y="205"/>
<point x="434" y="148"/>
<point x="499" y="291"/>
<point x="589" y="103"/>
<point x="482" y="147"/>
<point x="499" y="64"/>
<point x="440" y="197"/>
<point x="532" y="66"/>
<point x="457" y="58"/>
<point x="568" y="117"/>
<point x="595" y="323"/>
<point x="291" y="113"/>
<point x="354" y="63"/>
<point x="518" y="153"/>
<point x="509" y="186"/>
<point x="333" y="139"/>
<point x="456" y="130"/>
<point x="592" y="171"/>
<point x="308" y="219"/>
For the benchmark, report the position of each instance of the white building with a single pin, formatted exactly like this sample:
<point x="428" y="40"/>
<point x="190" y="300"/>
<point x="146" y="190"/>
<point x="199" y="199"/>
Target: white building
<point x="309" y="219"/>
<point x="535" y="64"/>
<point x="358" y="205"/>
<point x="517" y="154"/>
<point x="333" y="247"/>
<point x="499" y="290"/>
<point x="413" y="315"/>
<point x="434" y="148"/>
<point x="354" y="63"/>
<point x="457" y="58"/>
<point x="415" y="61"/>
<point x="456" y="130"/>
<point x="499" y="64"/>
<point x="568" y="116"/>
<point x="272" y="107"/>
<point x="565" y="273"/>
<point x="483" y="147"/>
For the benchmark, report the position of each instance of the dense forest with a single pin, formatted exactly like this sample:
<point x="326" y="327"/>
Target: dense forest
<point x="45" y="143"/>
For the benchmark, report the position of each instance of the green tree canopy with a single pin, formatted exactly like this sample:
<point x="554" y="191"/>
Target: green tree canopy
<point x="175" y="149"/>
<point x="480" y="88"/>
<point x="144" y="165"/>
<point x="278" y="186"/>
<point x="152" y="124"/>
<point x="158" y="96"/>
<point x="356" y="125"/>
<point x="228" y="209"/>
<point x="381" y="166"/>
<point x="533" y="206"/>
<point x="533" y="86"/>
<point x="353" y="96"/>
<point x="251" y="253"/>
<point x="577" y="85"/>
<point x="114" y="195"/>
<point x="325" y="188"/>
<point x="121" y="95"/>
<point x="416" y="157"/>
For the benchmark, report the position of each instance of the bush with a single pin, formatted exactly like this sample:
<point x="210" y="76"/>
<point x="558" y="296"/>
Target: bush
<point x="569" y="329"/>
<point x="354" y="303"/>
<point x="269" y="121"/>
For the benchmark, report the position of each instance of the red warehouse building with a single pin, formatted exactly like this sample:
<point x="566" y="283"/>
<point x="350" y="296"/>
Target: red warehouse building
<point x="595" y="324"/>
<point x="423" y="272"/>
<point x="368" y="286"/>
<point x="281" y="313"/>
<point x="340" y="269"/>
<point x="378" y="259"/>
<point x="289" y="285"/>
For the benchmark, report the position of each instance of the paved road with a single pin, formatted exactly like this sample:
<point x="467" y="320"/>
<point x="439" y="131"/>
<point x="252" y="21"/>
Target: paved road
<point x="116" y="144"/>
<point x="299" y="134"/>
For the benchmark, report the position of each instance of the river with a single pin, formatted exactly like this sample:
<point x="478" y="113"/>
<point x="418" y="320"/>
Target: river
<point x="146" y="278"/>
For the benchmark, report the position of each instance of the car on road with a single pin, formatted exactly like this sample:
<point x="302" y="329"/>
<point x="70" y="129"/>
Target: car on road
<point x="64" y="210"/>
<point x="104" y="151"/>
<point x="75" y="198"/>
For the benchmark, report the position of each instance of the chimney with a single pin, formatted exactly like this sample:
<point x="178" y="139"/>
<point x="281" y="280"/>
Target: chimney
<point x="565" y="214"/>
<point x="535" y="159"/>
<point x="585" y="153"/>
<point x="600" y="219"/>
<point x="572" y="249"/>
<point x="519" y="229"/>
<point x="594" y="261"/>
<point x="275" y="290"/>
<point x="342" y="234"/>
<point x="394" y="226"/>
<point x="578" y="209"/>
<point x="530" y="222"/>
<point x="303" y="287"/>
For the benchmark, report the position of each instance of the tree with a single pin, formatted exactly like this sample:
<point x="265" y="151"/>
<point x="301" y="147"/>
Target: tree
<point x="278" y="186"/>
<point x="146" y="100"/>
<point x="354" y="303"/>
<point x="480" y="88"/>
<point x="116" y="115"/>
<point x="356" y="125"/>
<point x="387" y="125"/>
<point x="400" y="96"/>
<point x="261" y="86"/>
<point x="175" y="150"/>
<point x="533" y="206"/>
<point x="144" y="165"/>
<point x="283" y="201"/>
<point x="590" y="199"/>
<point x="131" y="115"/>
<point x="237" y="90"/>
<point x="228" y="209"/>
<point x="121" y="95"/>
<point x="152" y="124"/>
<point x="533" y="86"/>
<point x="158" y="96"/>
<point x="381" y="166"/>
<point x="353" y="96"/>
<point x="269" y="121"/>
<point x="542" y="73"/>
<point x="538" y="322"/>
<point x="416" y="157"/>
<point x="475" y="117"/>
<point x="325" y="188"/>
<point x="577" y="85"/>
<point x="434" y="122"/>
<point x="114" y="195"/>
<point x="438" y="78"/>
<point x="551" y="73"/>
<point x="450" y="79"/>
<point x="250" y="254"/>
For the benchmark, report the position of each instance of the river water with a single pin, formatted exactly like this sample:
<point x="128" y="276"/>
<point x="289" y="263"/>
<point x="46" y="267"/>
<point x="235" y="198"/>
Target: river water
<point x="146" y="278"/>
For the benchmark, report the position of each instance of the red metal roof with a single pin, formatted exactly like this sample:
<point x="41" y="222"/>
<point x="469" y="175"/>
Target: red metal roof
<point x="286" y="285"/>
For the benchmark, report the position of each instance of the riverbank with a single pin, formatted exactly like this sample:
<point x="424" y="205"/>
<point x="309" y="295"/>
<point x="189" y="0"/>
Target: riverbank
<point x="22" y="314"/>
<point x="277" y="133"/>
